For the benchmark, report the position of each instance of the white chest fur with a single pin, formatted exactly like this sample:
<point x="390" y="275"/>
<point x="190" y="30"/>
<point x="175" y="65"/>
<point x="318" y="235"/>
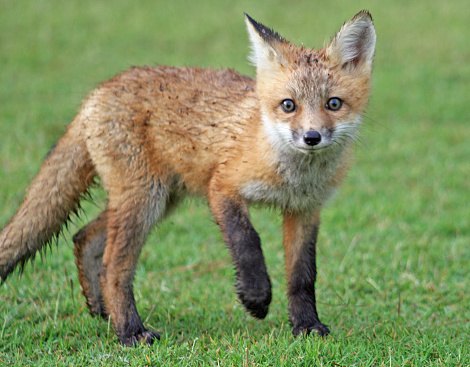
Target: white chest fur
<point x="305" y="182"/>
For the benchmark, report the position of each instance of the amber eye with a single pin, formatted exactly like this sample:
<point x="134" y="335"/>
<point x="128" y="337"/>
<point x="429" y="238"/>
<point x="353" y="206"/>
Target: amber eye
<point x="288" y="105"/>
<point x="334" y="104"/>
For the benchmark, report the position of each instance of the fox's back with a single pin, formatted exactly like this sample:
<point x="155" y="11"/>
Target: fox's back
<point x="168" y="120"/>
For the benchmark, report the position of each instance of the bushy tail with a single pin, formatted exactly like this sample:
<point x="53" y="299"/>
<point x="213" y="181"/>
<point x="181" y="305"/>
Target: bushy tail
<point x="51" y="197"/>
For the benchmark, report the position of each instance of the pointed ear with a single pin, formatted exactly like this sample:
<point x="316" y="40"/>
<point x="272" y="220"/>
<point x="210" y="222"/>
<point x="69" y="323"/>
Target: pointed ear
<point x="354" y="45"/>
<point x="265" y="53"/>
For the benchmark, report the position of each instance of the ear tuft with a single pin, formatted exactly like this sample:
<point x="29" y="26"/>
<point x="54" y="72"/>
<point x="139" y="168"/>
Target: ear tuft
<point x="267" y="34"/>
<point x="354" y="44"/>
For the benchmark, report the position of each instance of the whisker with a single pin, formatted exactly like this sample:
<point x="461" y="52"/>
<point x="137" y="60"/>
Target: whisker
<point x="368" y="118"/>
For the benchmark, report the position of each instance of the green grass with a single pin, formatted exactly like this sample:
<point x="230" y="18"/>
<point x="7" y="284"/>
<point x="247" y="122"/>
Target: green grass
<point x="393" y="253"/>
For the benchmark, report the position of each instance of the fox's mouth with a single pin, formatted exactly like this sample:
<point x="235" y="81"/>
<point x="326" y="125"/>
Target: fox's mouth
<point x="313" y="150"/>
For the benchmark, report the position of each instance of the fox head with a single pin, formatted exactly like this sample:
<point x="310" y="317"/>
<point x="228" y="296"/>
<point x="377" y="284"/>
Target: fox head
<point x="313" y="100"/>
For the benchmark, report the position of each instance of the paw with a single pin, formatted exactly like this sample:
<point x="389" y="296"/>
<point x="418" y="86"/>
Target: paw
<point x="256" y="299"/>
<point x="316" y="329"/>
<point x="145" y="336"/>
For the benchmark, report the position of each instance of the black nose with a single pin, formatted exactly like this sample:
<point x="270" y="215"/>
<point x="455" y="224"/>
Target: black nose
<point x="312" y="137"/>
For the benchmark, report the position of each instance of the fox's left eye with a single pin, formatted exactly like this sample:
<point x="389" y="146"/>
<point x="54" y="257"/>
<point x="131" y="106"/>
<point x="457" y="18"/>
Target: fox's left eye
<point x="334" y="104"/>
<point x="288" y="105"/>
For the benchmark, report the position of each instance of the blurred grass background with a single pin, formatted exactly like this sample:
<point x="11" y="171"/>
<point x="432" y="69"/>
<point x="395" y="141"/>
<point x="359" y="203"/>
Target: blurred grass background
<point x="393" y="252"/>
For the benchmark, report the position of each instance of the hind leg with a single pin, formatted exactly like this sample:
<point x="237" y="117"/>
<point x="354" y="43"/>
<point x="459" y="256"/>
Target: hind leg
<point x="131" y="215"/>
<point x="90" y="243"/>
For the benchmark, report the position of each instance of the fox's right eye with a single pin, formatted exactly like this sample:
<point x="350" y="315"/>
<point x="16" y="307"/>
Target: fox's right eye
<point x="288" y="105"/>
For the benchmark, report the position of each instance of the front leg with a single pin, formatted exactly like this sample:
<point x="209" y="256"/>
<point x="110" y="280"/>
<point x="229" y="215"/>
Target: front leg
<point x="253" y="284"/>
<point x="300" y="237"/>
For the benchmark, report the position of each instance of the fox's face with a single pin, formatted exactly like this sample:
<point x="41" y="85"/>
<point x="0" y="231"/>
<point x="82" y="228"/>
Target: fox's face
<point x="313" y="100"/>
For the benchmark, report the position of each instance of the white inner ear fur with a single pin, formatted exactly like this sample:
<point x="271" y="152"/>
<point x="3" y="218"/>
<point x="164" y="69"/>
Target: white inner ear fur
<point x="355" y="41"/>
<point x="262" y="55"/>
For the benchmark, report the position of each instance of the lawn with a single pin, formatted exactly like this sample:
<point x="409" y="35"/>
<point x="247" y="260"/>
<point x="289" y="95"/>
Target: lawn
<point x="393" y="251"/>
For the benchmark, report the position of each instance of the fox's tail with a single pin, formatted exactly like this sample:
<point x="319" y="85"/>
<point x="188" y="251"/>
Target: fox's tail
<point x="52" y="196"/>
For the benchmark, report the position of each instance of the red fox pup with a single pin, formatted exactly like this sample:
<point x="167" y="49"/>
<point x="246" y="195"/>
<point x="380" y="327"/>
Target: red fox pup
<point x="155" y="134"/>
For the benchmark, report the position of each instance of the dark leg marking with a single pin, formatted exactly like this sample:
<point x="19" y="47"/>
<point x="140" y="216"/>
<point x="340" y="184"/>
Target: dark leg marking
<point x="253" y="284"/>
